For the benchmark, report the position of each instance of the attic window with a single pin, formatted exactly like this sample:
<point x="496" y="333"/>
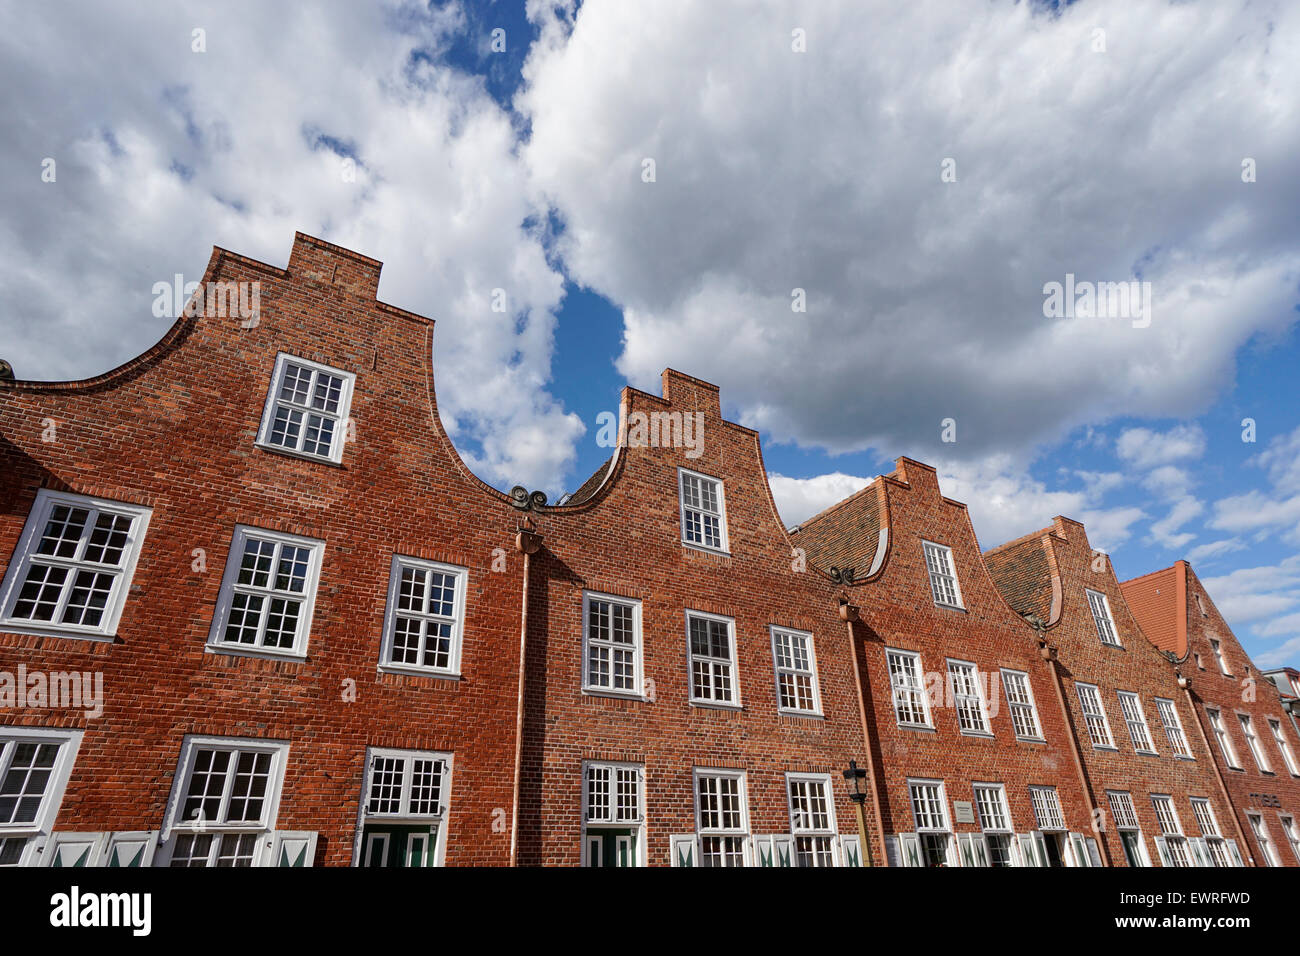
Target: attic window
<point x="306" y="409"/>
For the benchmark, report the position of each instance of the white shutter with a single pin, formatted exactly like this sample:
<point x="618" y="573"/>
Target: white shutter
<point x="1028" y="856"/>
<point x="292" y="848"/>
<point x="1094" y="852"/>
<point x="783" y="845"/>
<point x="71" y="848"/>
<point x="1078" y="851"/>
<point x="909" y="848"/>
<point x="763" y="854"/>
<point x="682" y="849"/>
<point x="1162" y="847"/>
<point x="130" y="848"/>
<point x="893" y="856"/>
<point x="850" y="851"/>
<point x="1235" y="853"/>
<point x="964" y="849"/>
<point x="1040" y="847"/>
<point x="1200" y="851"/>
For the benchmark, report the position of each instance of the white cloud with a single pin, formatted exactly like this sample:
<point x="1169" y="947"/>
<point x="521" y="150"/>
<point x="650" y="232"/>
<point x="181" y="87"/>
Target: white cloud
<point x="1165" y="531"/>
<point x="1251" y="594"/>
<point x="1284" y="654"/>
<point x="798" y="499"/>
<point x="1213" y="549"/>
<point x="1145" y="448"/>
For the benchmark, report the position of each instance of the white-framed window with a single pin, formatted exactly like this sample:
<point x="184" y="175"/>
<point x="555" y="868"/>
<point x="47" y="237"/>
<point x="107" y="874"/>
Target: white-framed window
<point x="1100" y="606"/>
<point x="1130" y="832"/>
<point x="1279" y="736"/>
<point x="1047" y="808"/>
<point x="930" y="811"/>
<point x="425" y="618"/>
<point x="1171" y="830"/>
<point x="34" y="766"/>
<point x="268" y="592"/>
<point x="306" y="409"/>
<point x="1260" y="829"/>
<point x="1094" y="715"/>
<point x="72" y="569"/>
<point x="611" y="645"/>
<point x="1291" y="833"/>
<point x="995" y="821"/>
<point x="613" y="813"/>
<point x="812" y="818"/>
<point x="1217" y="647"/>
<point x="911" y="705"/>
<point x="1215" y="717"/>
<point x="1131" y="705"/>
<point x="404" y="799"/>
<point x="968" y="697"/>
<point x="224" y="801"/>
<point x="711" y="646"/>
<point x="1020" y="698"/>
<point x="703" y="510"/>
<point x="943" y="576"/>
<point x="1209" y="825"/>
<point x="1256" y="751"/>
<point x="794" y="658"/>
<point x="721" y="816"/>
<point x="1173" y="725"/>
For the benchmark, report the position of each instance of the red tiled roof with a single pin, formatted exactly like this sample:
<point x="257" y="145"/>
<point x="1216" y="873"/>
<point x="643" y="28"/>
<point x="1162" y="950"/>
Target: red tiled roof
<point x="845" y="534"/>
<point x="1153" y="599"/>
<point x="1020" y="570"/>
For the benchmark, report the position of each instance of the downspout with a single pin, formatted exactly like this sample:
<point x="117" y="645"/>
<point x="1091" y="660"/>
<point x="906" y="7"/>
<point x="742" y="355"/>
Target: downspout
<point x="849" y="614"/>
<point x="1231" y="804"/>
<point x="527" y="542"/>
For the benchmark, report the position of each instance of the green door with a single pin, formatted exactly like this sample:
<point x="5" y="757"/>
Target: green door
<point x="616" y="846"/>
<point x="397" y="845"/>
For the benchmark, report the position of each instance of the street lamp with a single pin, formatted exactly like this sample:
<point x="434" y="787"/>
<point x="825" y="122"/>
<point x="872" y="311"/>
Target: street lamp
<point x="853" y="777"/>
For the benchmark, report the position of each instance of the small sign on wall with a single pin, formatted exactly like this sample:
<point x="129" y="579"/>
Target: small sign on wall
<point x="965" y="811"/>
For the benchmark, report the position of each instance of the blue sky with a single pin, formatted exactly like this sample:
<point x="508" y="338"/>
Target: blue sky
<point x="796" y="146"/>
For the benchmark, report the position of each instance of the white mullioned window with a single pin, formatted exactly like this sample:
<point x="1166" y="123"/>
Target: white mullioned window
<point x="1094" y="714"/>
<point x="611" y="640"/>
<point x="1101" y="616"/>
<point x="911" y="706"/>
<point x="613" y="813"/>
<point x="1217" y="647"/>
<point x="424" y="623"/>
<point x="711" y="643"/>
<point x="34" y="766"/>
<point x="703" y="510"/>
<point x="224" y="801"/>
<point x="1047" y="808"/>
<point x="1171" y="829"/>
<point x="968" y="697"/>
<point x="1126" y="822"/>
<point x="1279" y="735"/>
<point x="404" y="801"/>
<point x="267" y="593"/>
<point x="812" y="818"/>
<point x="721" y="816"/>
<point x="1215" y="717"/>
<point x="1292" y="835"/>
<point x="1020" y="698"/>
<point x="1256" y="751"/>
<point x="72" y="569"/>
<point x="930" y="811"/>
<point x="1131" y="705"/>
<point x="406" y="783"/>
<point x="995" y="820"/>
<point x="306" y="409"/>
<point x="1173" y="726"/>
<point x="795" y="661"/>
<point x="1265" y="842"/>
<point x="943" y="577"/>
<point x="1209" y="825"/>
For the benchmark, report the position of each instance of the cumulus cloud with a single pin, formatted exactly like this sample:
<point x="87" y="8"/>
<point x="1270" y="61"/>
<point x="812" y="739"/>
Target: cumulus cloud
<point x="798" y="499"/>
<point x="1146" y="448"/>
<point x="1251" y="594"/>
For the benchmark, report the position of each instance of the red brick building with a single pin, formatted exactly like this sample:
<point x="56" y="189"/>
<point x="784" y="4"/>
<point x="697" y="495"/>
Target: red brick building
<point x="1240" y="712"/>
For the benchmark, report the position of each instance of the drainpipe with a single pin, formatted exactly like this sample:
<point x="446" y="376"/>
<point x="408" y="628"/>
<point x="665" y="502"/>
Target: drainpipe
<point x="527" y="543"/>
<point x="1231" y="804"/>
<point x="849" y="614"/>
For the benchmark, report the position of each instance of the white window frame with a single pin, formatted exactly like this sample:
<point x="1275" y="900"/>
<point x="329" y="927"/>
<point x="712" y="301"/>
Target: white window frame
<point x="637" y="691"/>
<point x="456" y="620"/>
<point x="1287" y="822"/>
<point x="1260" y="831"/>
<point x="945" y="824"/>
<point x="1091" y="694"/>
<point x="1174" y="732"/>
<point x="740" y="833"/>
<point x="734" y="662"/>
<point x="1252" y="742"/>
<point x="596" y="829"/>
<point x="1216" y="648"/>
<point x="1103" y="621"/>
<point x="361" y="853"/>
<point x="216" y="635"/>
<point x="724" y="546"/>
<point x="1210" y="832"/>
<point x="1171" y="830"/>
<point x="801" y="830"/>
<point x="25" y="551"/>
<point x="1030" y="706"/>
<point x="1140" y="721"/>
<point x="339" y="417"/>
<point x="1284" y="745"/>
<point x="37" y="831"/>
<point x="895" y="688"/>
<point x="985" y="728"/>
<point x="1215" y="716"/>
<point x="947" y="574"/>
<point x="777" y="633"/>
<point x="1124" y="813"/>
<point x="1047" y="812"/>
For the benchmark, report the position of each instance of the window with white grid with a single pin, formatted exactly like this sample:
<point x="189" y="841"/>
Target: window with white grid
<point x="910" y="704"/>
<point x="1131" y="705"/>
<point x="1101" y="617"/>
<point x="991" y="800"/>
<point x="1172" y="829"/>
<point x="1260" y="829"/>
<point x="1215" y="717"/>
<point x="34" y="768"/>
<point x="1292" y="835"/>
<point x="1217" y="647"/>
<point x="1020" y="698"/>
<point x="1279" y="737"/>
<point x="267" y="593"/>
<point x="929" y="805"/>
<point x="703" y="508"/>
<point x="406" y="783"/>
<point x="1209" y="825"/>
<point x="611" y="638"/>
<point x="812" y="818"/>
<point x="1122" y="809"/>
<point x="614" y="793"/>
<point x="1256" y="751"/>
<point x="306" y="409"/>
<point x="1094" y="715"/>
<point x="721" y="817"/>
<point x="72" y="569"/>
<point x="795" y="660"/>
<point x="943" y="577"/>
<point x="712" y="646"/>
<point x="425" y="617"/>
<point x="1047" y="808"/>
<point x="1173" y="726"/>
<point x="968" y="697"/>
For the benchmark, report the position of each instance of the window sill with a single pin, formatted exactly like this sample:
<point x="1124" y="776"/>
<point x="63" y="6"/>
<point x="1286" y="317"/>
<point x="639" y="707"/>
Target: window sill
<point x="15" y="627"/>
<point x="716" y="705"/>
<point x="950" y="607"/>
<point x="1107" y="749"/>
<point x="1145" y="753"/>
<point x="809" y="714"/>
<point x="613" y="694"/>
<point x="239" y="651"/>
<point x="705" y="549"/>
<point x="1031" y="740"/>
<point x="919" y="728"/>
<point x="409" y="670"/>
<point x="1184" y="757"/>
<point x="981" y="734"/>
<point x="301" y="456"/>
